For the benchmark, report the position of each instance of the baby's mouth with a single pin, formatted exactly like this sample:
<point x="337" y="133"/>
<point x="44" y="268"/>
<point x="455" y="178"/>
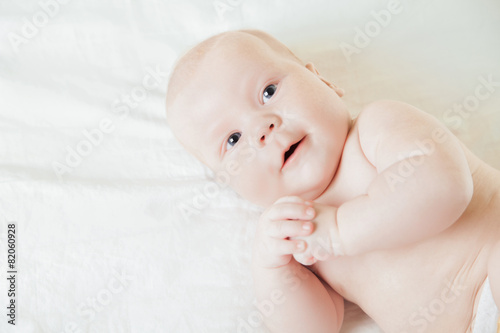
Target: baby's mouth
<point x="290" y="151"/>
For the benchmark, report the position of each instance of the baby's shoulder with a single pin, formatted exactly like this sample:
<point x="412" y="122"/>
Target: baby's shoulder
<point x="382" y="117"/>
<point x="392" y="126"/>
<point x="386" y="112"/>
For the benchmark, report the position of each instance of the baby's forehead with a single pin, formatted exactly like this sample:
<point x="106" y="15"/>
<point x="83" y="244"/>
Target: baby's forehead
<point x="233" y="49"/>
<point x="216" y="66"/>
<point x="206" y="62"/>
<point x="238" y="55"/>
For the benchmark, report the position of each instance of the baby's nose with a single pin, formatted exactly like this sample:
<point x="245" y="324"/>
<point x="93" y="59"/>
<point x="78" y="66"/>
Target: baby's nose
<point x="265" y="132"/>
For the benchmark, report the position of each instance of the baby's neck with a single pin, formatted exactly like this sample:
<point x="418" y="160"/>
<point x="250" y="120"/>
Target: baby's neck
<point x="353" y="175"/>
<point x="330" y="196"/>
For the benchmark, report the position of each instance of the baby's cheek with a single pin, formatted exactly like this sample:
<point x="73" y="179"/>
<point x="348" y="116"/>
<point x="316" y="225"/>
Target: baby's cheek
<point x="255" y="178"/>
<point x="251" y="189"/>
<point x="255" y="186"/>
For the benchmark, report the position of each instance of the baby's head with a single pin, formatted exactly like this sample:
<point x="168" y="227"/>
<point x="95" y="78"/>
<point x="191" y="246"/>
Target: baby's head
<point x="245" y="106"/>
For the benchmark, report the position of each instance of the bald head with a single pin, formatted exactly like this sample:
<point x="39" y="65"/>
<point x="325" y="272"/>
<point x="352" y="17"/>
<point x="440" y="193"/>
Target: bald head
<point x="189" y="64"/>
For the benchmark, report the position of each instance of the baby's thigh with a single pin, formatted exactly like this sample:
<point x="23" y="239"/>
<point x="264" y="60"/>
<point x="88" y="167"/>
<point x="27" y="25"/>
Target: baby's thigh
<point x="494" y="272"/>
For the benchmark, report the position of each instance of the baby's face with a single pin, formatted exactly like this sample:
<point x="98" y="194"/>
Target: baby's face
<point x="265" y="124"/>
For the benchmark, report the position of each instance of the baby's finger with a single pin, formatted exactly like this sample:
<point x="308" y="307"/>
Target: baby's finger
<point x="283" y="247"/>
<point x="291" y="211"/>
<point x="304" y="258"/>
<point x="289" y="228"/>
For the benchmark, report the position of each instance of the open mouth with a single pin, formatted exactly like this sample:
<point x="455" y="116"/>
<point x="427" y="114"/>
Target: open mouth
<point x="291" y="150"/>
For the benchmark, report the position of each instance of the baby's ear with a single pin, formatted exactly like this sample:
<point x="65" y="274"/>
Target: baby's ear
<point x="313" y="69"/>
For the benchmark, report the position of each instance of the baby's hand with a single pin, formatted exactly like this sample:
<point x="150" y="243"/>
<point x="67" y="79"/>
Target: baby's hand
<point x="286" y="218"/>
<point x="324" y="242"/>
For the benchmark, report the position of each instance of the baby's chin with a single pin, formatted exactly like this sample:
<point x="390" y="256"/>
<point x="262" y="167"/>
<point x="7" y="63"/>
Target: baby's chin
<point x="267" y="200"/>
<point x="314" y="183"/>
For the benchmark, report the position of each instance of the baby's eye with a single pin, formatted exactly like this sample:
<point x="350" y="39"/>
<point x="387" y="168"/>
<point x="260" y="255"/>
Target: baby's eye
<point x="232" y="140"/>
<point x="268" y="93"/>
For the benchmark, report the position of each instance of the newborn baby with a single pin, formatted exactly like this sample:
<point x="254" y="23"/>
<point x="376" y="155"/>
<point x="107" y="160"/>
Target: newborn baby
<point x="389" y="210"/>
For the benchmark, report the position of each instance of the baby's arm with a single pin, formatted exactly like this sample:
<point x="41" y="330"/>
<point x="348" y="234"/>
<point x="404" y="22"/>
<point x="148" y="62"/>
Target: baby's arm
<point x="423" y="184"/>
<point x="291" y="298"/>
<point x="295" y="300"/>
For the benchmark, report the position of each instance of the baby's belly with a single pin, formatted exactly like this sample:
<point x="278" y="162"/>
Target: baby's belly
<point x="406" y="292"/>
<point x="429" y="287"/>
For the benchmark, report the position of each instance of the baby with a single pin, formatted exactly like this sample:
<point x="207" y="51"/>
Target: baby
<point x="389" y="210"/>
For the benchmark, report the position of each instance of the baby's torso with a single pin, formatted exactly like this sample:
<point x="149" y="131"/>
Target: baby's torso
<point x="430" y="286"/>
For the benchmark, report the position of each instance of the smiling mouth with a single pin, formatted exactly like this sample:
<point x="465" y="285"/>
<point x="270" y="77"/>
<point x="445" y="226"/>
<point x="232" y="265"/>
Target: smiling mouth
<point x="291" y="150"/>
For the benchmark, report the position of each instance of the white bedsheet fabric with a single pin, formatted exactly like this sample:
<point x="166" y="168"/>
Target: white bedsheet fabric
<point x="119" y="229"/>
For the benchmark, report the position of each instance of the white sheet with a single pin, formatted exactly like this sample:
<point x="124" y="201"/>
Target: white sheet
<point x="103" y="246"/>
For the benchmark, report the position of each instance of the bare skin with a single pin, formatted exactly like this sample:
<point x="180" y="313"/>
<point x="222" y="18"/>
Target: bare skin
<point x="435" y="284"/>
<point x="409" y="216"/>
